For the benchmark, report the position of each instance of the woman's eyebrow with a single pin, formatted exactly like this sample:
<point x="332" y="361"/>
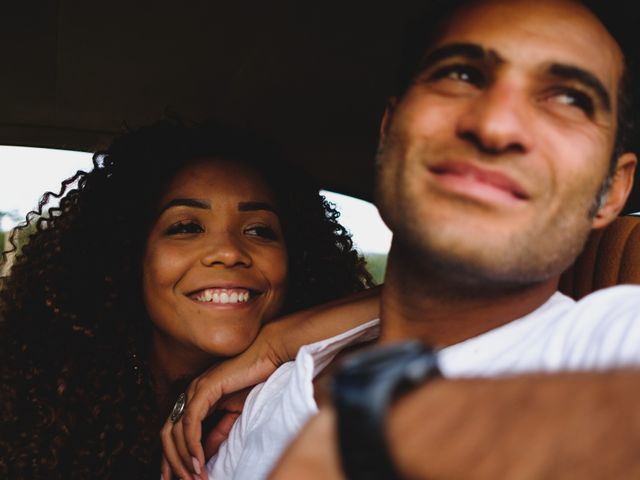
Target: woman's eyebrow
<point x="584" y="77"/>
<point x="187" y="202"/>
<point x="253" y="206"/>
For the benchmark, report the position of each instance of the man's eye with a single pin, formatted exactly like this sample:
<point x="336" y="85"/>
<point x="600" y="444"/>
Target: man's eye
<point x="262" y="231"/>
<point x="461" y="73"/>
<point x="575" y="98"/>
<point x="184" y="228"/>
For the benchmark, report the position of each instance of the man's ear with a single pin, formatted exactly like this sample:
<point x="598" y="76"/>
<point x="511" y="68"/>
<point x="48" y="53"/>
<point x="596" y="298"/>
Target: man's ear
<point x="619" y="191"/>
<point x="386" y="120"/>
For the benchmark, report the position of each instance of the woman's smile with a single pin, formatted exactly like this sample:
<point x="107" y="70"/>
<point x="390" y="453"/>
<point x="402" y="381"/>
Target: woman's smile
<point x="222" y="296"/>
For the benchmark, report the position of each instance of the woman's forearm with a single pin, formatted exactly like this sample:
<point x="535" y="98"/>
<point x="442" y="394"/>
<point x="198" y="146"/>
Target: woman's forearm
<point x="291" y="332"/>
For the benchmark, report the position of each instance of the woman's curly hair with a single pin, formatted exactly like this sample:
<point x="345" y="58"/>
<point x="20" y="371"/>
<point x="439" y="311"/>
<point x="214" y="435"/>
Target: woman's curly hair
<point x="76" y="396"/>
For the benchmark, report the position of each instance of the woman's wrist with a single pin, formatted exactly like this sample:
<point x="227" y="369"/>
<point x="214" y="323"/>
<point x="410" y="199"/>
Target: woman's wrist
<point x="283" y="337"/>
<point x="279" y="339"/>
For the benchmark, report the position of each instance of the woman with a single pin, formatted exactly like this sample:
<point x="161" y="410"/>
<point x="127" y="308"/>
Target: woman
<point x="164" y="259"/>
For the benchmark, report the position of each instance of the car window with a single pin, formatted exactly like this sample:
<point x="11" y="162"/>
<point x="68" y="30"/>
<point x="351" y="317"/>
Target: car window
<point x="26" y="173"/>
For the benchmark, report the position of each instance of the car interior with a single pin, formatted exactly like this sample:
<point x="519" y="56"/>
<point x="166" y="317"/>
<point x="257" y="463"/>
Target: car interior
<point x="314" y="76"/>
<point x="611" y="257"/>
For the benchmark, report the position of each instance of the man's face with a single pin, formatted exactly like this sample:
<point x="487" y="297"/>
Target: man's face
<point x="492" y="160"/>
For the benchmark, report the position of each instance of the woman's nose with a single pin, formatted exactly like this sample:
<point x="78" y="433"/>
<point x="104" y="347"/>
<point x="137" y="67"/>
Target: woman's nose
<point x="225" y="249"/>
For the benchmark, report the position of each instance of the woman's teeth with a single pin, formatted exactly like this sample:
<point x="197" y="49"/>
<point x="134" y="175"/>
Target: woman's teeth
<point x="223" y="295"/>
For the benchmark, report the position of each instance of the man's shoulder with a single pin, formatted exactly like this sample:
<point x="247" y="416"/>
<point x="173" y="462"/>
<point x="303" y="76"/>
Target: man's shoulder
<point x="606" y="314"/>
<point x="629" y="294"/>
<point x="621" y="302"/>
<point x="599" y="331"/>
<point x="602" y="329"/>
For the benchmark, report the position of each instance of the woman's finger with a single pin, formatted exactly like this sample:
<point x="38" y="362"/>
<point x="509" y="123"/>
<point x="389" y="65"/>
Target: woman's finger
<point x="187" y="459"/>
<point x="203" y="396"/>
<point x="165" y="469"/>
<point x="171" y="453"/>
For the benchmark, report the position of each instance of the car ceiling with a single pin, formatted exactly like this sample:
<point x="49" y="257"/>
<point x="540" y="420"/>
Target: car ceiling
<point x="312" y="75"/>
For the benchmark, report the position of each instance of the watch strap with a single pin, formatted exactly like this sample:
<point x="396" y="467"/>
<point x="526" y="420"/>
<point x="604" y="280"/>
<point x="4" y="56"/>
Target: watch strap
<point x="363" y="389"/>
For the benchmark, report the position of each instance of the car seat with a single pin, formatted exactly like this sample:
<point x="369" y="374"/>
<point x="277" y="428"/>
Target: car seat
<point x="610" y="257"/>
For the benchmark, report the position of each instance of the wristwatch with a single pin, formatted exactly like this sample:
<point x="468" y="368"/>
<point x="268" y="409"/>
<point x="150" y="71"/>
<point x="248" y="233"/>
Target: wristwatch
<point x="362" y="390"/>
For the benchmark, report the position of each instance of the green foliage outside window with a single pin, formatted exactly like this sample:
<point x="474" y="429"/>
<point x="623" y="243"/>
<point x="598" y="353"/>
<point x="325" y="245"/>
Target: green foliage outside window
<point x="376" y="264"/>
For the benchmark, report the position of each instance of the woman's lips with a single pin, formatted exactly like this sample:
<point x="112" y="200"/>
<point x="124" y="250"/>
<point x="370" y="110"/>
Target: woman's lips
<point x="223" y="296"/>
<point x="474" y="181"/>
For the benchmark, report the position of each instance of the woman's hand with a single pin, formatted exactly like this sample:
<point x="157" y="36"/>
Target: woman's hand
<point x="225" y="386"/>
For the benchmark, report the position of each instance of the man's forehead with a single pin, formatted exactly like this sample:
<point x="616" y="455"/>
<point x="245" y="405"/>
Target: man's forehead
<point x="563" y="31"/>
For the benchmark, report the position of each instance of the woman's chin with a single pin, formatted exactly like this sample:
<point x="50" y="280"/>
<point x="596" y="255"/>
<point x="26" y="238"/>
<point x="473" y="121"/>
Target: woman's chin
<point x="218" y="353"/>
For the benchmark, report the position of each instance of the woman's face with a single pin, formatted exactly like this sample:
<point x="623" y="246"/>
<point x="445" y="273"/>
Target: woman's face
<point x="215" y="263"/>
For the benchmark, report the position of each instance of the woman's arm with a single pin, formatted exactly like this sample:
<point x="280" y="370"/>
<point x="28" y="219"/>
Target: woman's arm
<point x="277" y="343"/>
<point x="290" y="333"/>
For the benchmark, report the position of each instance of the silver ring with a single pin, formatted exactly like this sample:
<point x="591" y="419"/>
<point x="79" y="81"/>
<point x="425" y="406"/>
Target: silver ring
<point x="178" y="408"/>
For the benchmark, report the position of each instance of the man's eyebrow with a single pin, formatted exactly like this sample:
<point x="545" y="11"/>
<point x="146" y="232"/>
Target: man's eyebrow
<point x="586" y="78"/>
<point x="187" y="202"/>
<point x="253" y="206"/>
<point x="471" y="51"/>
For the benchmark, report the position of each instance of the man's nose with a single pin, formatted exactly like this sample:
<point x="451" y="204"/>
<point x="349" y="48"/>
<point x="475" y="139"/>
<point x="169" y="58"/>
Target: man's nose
<point x="496" y="121"/>
<point x="225" y="249"/>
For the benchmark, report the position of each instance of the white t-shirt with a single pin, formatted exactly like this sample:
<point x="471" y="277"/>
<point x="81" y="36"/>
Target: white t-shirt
<point x="600" y="331"/>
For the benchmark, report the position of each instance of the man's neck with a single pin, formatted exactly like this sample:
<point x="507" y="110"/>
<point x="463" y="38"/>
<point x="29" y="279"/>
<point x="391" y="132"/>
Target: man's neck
<point x="441" y="314"/>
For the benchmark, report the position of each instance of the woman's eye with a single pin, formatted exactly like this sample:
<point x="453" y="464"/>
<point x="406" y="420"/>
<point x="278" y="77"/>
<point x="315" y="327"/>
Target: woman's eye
<point x="184" y="228"/>
<point x="575" y="98"/>
<point x="460" y="73"/>
<point x="262" y="231"/>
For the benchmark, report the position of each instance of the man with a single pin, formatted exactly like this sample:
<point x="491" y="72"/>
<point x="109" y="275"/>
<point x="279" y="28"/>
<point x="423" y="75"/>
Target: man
<point x="502" y="149"/>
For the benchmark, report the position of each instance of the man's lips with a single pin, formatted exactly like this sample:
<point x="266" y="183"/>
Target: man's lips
<point x="467" y="175"/>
